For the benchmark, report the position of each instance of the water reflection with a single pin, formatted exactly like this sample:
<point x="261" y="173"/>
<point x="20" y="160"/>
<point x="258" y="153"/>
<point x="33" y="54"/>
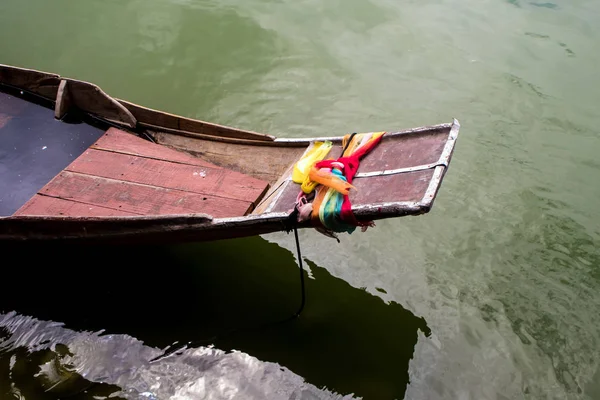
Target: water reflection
<point x="45" y="374"/>
<point x="44" y="360"/>
<point x="230" y="294"/>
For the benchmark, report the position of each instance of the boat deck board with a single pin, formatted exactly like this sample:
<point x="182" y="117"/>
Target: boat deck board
<point x="121" y="174"/>
<point x="130" y="144"/>
<point x="414" y="150"/>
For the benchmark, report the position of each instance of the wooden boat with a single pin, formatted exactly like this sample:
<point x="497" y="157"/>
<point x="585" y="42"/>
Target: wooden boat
<point x="146" y="175"/>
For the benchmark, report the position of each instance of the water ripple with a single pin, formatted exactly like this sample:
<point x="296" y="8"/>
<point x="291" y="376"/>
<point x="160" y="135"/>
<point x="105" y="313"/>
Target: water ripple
<point x="54" y="362"/>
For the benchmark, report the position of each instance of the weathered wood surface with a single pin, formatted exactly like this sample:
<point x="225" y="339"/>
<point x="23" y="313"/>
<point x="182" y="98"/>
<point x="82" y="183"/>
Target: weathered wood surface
<point x="394" y="188"/>
<point x="136" y="229"/>
<point x="153" y="119"/>
<point x="108" y="179"/>
<point x="63" y="100"/>
<point x="113" y="140"/>
<point x="275" y="191"/>
<point x="262" y="162"/>
<point x="408" y="187"/>
<point x="46" y="205"/>
<point x="40" y="83"/>
<point x="159" y="173"/>
<point x="405" y="151"/>
<point x="140" y="199"/>
<point x="90" y="98"/>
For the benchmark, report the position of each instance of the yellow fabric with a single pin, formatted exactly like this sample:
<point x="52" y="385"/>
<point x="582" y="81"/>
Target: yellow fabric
<point x="308" y="185"/>
<point x="302" y="168"/>
<point x="358" y="141"/>
<point x="309" y="177"/>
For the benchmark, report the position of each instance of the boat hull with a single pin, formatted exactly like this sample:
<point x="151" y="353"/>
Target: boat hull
<point x="152" y="176"/>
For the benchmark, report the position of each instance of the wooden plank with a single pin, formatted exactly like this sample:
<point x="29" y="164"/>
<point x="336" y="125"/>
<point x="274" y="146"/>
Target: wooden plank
<point x="90" y="98"/>
<point x="409" y="186"/>
<point x="140" y="199"/>
<point x="404" y="187"/>
<point x="121" y="230"/>
<point x="202" y="180"/>
<point x="46" y="205"/>
<point x="42" y="83"/>
<point x="63" y="100"/>
<point x="405" y="151"/>
<point x="287" y="199"/>
<point x="150" y="117"/>
<point x="275" y="191"/>
<point x="123" y="142"/>
<point x="262" y="162"/>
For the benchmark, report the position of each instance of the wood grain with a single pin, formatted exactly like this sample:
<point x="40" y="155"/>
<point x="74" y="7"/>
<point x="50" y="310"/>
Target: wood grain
<point x="120" y="141"/>
<point x="42" y="83"/>
<point x="139" y="199"/>
<point x="405" y="151"/>
<point x="262" y="162"/>
<point x="90" y="98"/>
<point x="149" y="117"/>
<point x="45" y="205"/>
<point x="63" y="100"/>
<point x="203" y="180"/>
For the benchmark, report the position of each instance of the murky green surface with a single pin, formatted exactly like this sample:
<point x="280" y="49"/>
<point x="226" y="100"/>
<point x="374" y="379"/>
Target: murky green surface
<point x="493" y="295"/>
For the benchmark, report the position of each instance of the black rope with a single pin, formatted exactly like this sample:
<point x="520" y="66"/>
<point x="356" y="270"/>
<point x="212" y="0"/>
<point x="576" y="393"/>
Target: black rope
<point x="348" y="143"/>
<point x="291" y="224"/>
<point x="302" y="288"/>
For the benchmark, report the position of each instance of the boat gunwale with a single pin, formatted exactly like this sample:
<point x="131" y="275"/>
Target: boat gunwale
<point x="111" y="228"/>
<point x="57" y="98"/>
<point x="261" y="138"/>
<point x="440" y="166"/>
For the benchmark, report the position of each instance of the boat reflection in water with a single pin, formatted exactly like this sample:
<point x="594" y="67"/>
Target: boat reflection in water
<point x="122" y="307"/>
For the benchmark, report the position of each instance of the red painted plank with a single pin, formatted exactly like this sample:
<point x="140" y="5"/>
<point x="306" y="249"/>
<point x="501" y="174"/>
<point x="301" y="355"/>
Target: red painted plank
<point x="45" y="205"/>
<point x="406" y="151"/>
<point x="123" y="142"/>
<point x="140" y="199"/>
<point x="409" y="186"/>
<point x="203" y="180"/>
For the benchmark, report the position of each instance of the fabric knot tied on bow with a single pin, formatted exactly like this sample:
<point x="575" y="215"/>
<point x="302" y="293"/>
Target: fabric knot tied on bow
<point x="332" y="181"/>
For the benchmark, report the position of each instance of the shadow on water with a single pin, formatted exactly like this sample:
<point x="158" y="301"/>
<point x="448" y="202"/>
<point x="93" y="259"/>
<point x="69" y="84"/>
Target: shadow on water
<point x="229" y="293"/>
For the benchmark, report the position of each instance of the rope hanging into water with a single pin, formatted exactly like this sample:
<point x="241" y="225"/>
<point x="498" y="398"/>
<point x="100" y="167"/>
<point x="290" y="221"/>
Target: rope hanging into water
<point x="325" y="184"/>
<point x="302" y="288"/>
<point x="292" y="224"/>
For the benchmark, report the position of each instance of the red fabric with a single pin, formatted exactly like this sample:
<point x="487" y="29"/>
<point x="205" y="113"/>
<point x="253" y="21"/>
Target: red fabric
<point x="351" y="164"/>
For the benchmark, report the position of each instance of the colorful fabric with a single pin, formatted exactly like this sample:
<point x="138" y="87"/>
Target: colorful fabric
<point x="331" y="177"/>
<point x="303" y="167"/>
<point x="332" y="180"/>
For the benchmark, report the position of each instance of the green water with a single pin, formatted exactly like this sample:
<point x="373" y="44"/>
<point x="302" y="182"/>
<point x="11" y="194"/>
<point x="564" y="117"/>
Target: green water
<point x="493" y="295"/>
